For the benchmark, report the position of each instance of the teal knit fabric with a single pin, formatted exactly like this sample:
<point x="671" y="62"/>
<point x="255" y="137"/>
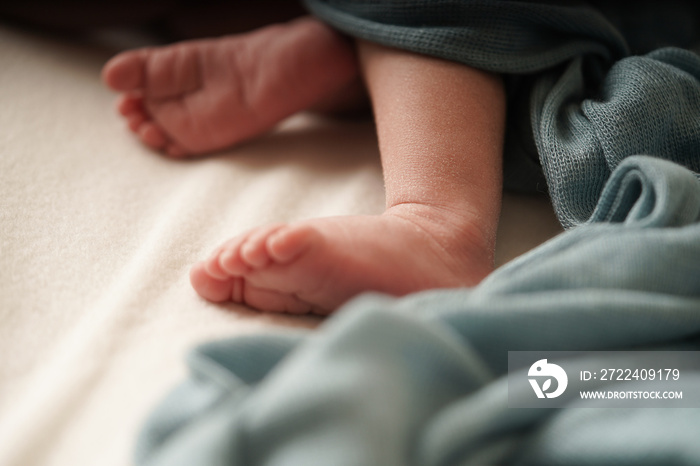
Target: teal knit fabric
<point x="591" y="102"/>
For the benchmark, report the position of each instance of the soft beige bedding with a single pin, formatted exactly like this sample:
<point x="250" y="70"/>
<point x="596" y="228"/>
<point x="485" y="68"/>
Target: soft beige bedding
<point x="97" y="234"/>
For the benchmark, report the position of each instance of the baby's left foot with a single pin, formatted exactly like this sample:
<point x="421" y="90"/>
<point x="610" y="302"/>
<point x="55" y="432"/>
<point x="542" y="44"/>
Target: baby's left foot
<point x="200" y="96"/>
<point x="317" y="265"/>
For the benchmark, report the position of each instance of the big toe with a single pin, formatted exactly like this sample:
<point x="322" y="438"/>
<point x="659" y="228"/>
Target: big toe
<point x="209" y="287"/>
<point x="124" y="72"/>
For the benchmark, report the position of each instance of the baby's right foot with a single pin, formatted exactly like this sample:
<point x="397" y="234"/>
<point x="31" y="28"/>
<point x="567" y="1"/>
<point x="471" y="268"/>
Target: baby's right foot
<point x="200" y="96"/>
<point x="318" y="264"/>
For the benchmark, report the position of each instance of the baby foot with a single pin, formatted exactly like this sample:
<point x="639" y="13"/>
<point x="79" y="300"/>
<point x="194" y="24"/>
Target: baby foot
<point x="317" y="265"/>
<point x="200" y="96"/>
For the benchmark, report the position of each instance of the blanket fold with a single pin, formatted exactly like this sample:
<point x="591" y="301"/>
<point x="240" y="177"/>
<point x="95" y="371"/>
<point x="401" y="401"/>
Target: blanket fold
<point x="591" y="102"/>
<point x="421" y="380"/>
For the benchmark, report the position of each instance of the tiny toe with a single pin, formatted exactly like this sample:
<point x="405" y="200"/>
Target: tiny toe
<point x="230" y="261"/>
<point x="212" y="267"/>
<point x="135" y="121"/>
<point x="125" y="72"/>
<point x="229" y="258"/>
<point x="208" y="287"/>
<point x="151" y="135"/>
<point x="254" y="249"/>
<point x="286" y="244"/>
<point x="128" y="104"/>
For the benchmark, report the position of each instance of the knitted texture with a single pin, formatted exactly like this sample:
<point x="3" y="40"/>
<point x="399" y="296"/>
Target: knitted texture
<point x="592" y="103"/>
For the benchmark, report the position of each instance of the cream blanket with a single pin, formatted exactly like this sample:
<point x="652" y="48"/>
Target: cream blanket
<point x="97" y="235"/>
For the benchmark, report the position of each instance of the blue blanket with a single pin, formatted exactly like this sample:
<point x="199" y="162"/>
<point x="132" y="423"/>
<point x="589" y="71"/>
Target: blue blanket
<point x="422" y="380"/>
<point x="589" y="101"/>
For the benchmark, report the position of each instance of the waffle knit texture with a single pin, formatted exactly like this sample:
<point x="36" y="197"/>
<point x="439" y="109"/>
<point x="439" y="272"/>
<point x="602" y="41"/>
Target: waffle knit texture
<point x="591" y="101"/>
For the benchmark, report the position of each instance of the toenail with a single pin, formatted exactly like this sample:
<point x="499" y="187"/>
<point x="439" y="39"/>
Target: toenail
<point x="246" y="250"/>
<point x="226" y="257"/>
<point x="276" y="236"/>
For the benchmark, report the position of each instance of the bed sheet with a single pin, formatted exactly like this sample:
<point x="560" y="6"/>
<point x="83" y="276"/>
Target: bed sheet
<point x="97" y="234"/>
